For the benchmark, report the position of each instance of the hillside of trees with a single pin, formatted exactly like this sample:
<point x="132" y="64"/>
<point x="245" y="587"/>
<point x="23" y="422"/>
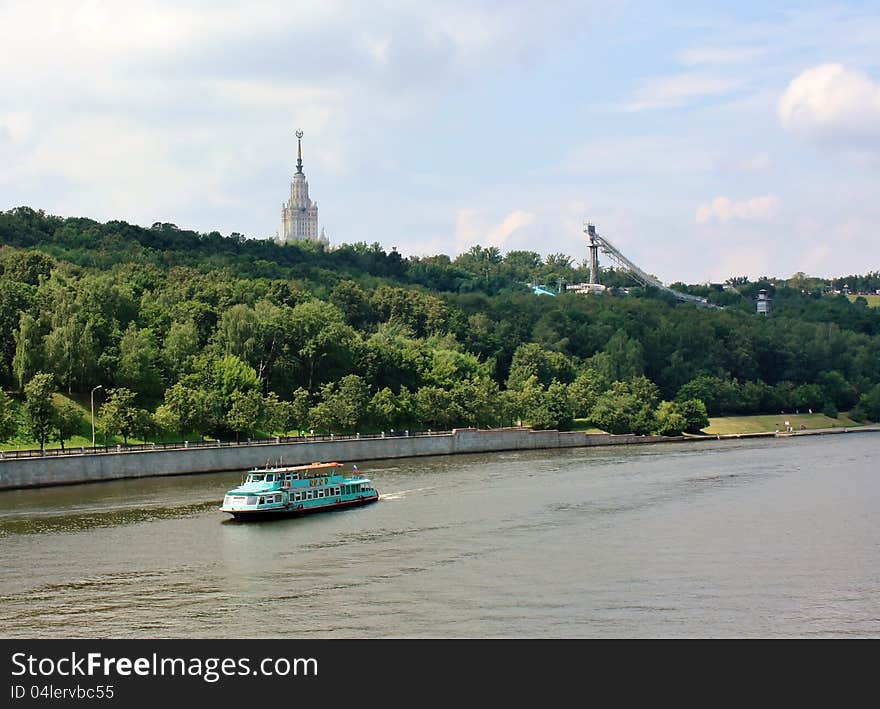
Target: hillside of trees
<point x="206" y="335"/>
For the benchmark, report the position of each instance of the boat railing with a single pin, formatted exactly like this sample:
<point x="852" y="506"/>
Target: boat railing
<point x="112" y="449"/>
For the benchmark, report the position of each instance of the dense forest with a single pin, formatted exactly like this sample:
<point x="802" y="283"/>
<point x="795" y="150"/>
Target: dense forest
<point x="201" y="334"/>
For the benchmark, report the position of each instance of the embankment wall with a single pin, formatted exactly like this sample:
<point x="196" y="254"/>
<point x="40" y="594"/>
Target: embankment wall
<point x="72" y="469"/>
<point x="92" y="467"/>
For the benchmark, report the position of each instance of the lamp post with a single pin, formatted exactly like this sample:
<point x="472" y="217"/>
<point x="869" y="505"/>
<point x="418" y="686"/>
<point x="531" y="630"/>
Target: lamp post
<point x="100" y="386"/>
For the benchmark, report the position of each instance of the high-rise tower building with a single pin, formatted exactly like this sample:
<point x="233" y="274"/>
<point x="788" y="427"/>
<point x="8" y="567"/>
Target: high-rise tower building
<point x="299" y="215"/>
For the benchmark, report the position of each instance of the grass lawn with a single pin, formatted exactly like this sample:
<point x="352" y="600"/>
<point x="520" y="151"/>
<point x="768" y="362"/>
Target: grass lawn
<point x="772" y="422"/>
<point x="873" y="300"/>
<point x="83" y="437"/>
<point x="584" y="426"/>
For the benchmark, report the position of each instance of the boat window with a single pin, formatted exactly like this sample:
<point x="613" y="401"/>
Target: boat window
<point x="256" y="478"/>
<point x="270" y="478"/>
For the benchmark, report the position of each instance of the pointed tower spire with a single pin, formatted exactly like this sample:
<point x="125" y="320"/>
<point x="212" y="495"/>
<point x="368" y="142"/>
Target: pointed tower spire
<point x="299" y="152"/>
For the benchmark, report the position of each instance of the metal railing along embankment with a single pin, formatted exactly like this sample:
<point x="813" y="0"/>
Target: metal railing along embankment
<point x="193" y="445"/>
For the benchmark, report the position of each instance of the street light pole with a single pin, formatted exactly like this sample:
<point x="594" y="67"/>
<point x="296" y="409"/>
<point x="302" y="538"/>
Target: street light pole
<point x="100" y="386"/>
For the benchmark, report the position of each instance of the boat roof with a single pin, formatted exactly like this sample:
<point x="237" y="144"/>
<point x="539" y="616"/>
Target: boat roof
<point x="290" y="468"/>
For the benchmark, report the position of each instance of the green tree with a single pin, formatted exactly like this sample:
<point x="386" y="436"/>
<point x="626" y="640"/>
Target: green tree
<point x="869" y="403"/>
<point x="300" y="409"/>
<point x="28" y="267"/>
<point x="166" y="420"/>
<point x="613" y="411"/>
<point x="809" y="396"/>
<point x="694" y="413"/>
<point x="555" y="410"/>
<point x="524" y="403"/>
<point x="8" y="420"/>
<point x="71" y="347"/>
<point x="624" y="358"/>
<point x="137" y="368"/>
<point x="231" y="374"/>
<point x="246" y="412"/>
<point x="180" y="346"/>
<point x="670" y="421"/>
<point x="68" y="421"/>
<point x="719" y="395"/>
<point x="351" y="402"/>
<point x="119" y="415"/>
<point x="627" y="407"/>
<point x="434" y="408"/>
<point x="478" y="400"/>
<point x="344" y="404"/>
<point x="530" y="359"/>
<point x="197" y="409"/>
<point x="322" y="418"/>
<point x="237" y="332"/>
<point x="522" y="265"/>
<point x="353" y="302"/>
<point x="384" y="409"/>
<point x="448" y="367"/>
<point x="144" y="425"/>
<point x="28" y="356"/>
<point x="278" y="414"/>
<point x="585" y="390"/>
<point x="39" y="412"/>
<point x="326" y="342"/>
<point x="837" y="389"/>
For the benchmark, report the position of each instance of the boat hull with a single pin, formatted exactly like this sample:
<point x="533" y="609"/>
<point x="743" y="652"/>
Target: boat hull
<point x="297" y="509"/>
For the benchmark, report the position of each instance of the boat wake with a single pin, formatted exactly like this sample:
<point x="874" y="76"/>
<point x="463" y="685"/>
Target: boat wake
<point x="401" y="494"/>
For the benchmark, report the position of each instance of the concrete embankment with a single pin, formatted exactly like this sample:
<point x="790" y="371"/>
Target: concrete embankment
<point x="92" y="467"/>
<point x="72" y="469"/>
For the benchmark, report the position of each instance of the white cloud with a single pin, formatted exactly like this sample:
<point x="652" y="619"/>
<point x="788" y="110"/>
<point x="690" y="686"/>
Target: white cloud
<point x="723" y="209"/>
<point x="678" y="90"/>
<point x="179" y="102"/>
<point x="833" y="104"/>
<point x="472" y="228"/>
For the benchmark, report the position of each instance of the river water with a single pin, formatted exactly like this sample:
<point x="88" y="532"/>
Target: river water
<point x="747" y="538"/>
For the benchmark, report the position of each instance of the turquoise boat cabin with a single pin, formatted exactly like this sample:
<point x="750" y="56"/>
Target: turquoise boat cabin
<point x="282" y="491"/>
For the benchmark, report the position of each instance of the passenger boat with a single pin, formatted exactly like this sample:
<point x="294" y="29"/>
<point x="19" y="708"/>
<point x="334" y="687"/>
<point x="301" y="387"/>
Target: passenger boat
<point x="278" y="491"/>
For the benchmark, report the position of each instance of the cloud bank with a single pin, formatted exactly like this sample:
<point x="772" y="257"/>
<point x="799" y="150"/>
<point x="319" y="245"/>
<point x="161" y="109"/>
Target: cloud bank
<point x="724" y="209"/>
<point x="834" y="105"/>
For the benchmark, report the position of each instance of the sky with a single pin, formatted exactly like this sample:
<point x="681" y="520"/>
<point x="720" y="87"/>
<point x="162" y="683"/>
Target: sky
<point x="704" y="140"/>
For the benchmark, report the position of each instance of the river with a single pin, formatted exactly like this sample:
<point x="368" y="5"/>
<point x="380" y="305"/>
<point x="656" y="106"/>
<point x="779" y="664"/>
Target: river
<point x="746" y="538"/>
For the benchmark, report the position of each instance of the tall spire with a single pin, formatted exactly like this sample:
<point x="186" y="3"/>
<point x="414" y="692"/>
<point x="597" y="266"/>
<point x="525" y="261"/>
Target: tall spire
<point x="299" y="152"/>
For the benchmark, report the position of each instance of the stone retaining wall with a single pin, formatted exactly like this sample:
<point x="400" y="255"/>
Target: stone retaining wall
<point x="72" y="469"/>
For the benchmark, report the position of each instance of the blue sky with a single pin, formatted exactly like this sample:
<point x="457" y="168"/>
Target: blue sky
<point x="705" y="140"/>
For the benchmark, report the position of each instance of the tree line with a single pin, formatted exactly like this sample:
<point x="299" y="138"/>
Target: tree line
<point x="227" y="338"/>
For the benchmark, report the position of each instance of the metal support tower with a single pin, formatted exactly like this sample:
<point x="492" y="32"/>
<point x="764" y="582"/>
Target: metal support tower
<point x="600" y="242"/>
<point x="594" y="254"/>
